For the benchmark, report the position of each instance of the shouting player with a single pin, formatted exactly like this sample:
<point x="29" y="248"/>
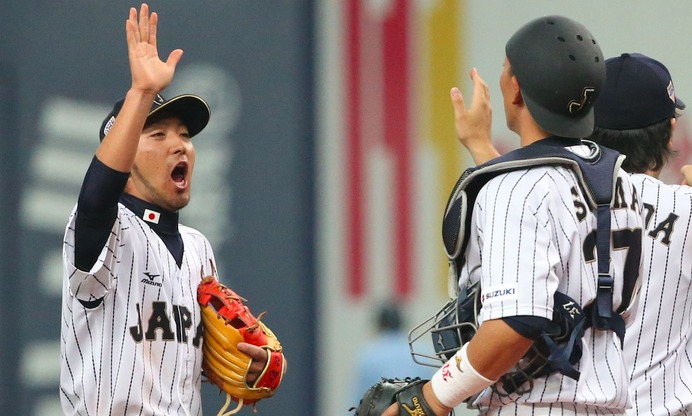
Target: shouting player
<point x="131" y="324"/>
<point x="635" y="115"/>
<point x="536" y="237"/>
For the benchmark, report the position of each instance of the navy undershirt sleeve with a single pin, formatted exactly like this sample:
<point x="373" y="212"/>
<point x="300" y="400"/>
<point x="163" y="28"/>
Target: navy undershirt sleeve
<point x="527" y="326"/>
<point x="97" y="208"/>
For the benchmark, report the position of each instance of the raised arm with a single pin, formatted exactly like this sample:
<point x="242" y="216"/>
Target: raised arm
<point x="474" y="125"/>
<point x="150" y="75"/>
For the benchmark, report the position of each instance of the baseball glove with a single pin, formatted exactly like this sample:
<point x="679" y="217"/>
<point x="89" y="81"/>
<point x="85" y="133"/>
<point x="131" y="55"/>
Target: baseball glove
<point x="227" y="321"/>
<point x="407" y="393"/>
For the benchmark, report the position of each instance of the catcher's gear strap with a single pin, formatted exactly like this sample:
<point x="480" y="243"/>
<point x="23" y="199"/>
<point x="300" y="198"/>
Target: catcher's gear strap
<point x="457" y="380"/>
<point x="560" y="342"/>
<point x="596" y="173"/>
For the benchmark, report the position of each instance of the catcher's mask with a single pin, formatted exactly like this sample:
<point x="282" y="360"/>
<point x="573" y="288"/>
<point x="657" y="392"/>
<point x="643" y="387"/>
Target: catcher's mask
<point x="451" y="327"/>
<point x="557" y="349"/>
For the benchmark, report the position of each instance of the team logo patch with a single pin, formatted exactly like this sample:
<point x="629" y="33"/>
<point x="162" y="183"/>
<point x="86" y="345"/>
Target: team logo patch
<point x="575" y="106"/>
<point x="499" y="293"/>
<point x="671" y="91"/>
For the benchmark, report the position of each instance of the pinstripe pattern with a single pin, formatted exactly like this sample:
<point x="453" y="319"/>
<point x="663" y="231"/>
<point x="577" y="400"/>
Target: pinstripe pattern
<point x="659" y="348"/>
<point x="529" y="227"/>
<point x="138" y="352"/>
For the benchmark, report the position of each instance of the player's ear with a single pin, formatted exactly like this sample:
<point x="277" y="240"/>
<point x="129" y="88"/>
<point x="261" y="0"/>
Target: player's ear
<point x="517" y="99"/>
<point x="673" y="120"/>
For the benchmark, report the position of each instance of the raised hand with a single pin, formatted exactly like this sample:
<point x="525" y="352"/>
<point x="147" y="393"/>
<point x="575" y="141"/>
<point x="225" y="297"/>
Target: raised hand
<point x="473" y="125"/>
<point x="687" y="175"/>
<point x="149" y="72"/>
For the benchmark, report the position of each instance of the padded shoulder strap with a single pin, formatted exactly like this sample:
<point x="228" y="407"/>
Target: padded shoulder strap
<point x="596" y="172"/>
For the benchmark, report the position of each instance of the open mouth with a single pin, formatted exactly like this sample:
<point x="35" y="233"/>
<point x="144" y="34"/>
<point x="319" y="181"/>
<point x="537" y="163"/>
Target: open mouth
<point x="179" y="174"/>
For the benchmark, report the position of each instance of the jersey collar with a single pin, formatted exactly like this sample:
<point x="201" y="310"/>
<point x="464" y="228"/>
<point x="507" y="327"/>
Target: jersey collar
<point x="158" y="218"/>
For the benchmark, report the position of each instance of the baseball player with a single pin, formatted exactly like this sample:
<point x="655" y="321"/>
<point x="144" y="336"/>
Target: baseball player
<point x="131" y="325"/>
<point x="533" y="233"/>
<point x="635" y="115"/>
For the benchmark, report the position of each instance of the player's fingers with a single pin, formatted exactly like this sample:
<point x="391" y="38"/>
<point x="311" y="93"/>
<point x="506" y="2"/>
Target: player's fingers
<point x="144" y="23"/>
<point x="457" y="102"/>
<point x="131" y="27"/>
<point x="255" y="352"/>
<point x="259" y="360"/>
<point x="480" y="88"/>
<point x="153" y="23"/>
<point x="174" y="57"/>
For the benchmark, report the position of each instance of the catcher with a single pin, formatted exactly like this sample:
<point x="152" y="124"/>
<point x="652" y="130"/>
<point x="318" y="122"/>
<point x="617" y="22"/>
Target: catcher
<point x="529" y="232"/>
<point x="242" y="356"/>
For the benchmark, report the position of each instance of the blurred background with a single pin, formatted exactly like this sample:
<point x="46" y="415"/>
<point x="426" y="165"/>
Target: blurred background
<point x="320" y="180"/>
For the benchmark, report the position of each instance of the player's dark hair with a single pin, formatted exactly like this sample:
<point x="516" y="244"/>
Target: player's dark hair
<point x="646" y="148"/>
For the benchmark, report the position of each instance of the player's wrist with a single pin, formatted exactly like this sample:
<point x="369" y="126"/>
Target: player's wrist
<point x="433" y="402"/>
<point x="481" y="152"/>
<point x="143" y="95"/>
<point x="457" y="380"/>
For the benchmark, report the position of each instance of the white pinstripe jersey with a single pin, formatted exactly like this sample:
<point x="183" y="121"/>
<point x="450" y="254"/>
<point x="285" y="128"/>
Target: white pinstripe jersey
<point x="139" y="351"/>
<point x="528" y="238"/>
<point x="658" y="344"/>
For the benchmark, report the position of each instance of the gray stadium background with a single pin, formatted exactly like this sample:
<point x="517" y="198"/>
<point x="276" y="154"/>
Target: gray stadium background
<point x="62" y="65"/>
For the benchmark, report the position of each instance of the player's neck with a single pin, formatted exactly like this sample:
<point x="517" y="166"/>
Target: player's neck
<point x="529" y="131"/>
<point x="157" y="217"/>
<point x="653" y="173"/>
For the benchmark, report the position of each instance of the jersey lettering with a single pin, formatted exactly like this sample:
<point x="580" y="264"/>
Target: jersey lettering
<point x="136" y="331"/>
<point x="198" y="334"/>
<point x="578" y="204"/>
<point x="665" y="227"/>
<point x="619" y="198"/>
<point x="635" y="199"/>
<point x="183" y="322"/>
<point x="649" y="211"/>
<point x="159" y="320"/>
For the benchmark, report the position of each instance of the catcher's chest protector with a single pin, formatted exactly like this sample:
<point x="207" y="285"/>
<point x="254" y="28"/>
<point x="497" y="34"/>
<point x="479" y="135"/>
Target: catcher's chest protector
<point x="596" y="173"/>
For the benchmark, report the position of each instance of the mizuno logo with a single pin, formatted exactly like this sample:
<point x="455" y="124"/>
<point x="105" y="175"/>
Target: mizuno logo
<point x="458" y="360"/>
<point x="440" y="342"/>
<point x="159" y="100"/>
<point x="151" y="278"/>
